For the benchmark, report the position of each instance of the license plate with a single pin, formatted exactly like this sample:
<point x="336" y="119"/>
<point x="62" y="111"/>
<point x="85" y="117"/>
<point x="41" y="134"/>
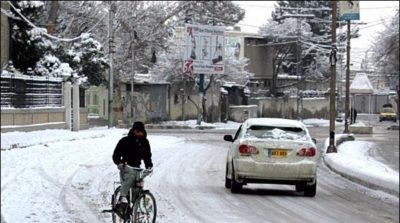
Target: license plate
<point x="278" y="153"/>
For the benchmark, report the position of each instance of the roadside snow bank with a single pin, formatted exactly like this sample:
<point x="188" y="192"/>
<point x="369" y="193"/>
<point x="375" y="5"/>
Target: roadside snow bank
<point x="352" y="161"/>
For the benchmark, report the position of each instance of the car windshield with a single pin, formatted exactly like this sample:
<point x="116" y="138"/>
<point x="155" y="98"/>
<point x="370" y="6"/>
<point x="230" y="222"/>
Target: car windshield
<point x="277" y="132"/>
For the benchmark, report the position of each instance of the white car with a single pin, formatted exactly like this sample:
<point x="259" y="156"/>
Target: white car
<point x="272" y="150"/>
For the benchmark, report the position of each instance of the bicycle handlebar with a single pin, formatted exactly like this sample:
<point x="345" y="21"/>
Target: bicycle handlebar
<point x="143" y="172"/>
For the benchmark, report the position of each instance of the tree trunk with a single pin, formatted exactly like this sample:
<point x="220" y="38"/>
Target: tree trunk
<point x="51" y="22"/>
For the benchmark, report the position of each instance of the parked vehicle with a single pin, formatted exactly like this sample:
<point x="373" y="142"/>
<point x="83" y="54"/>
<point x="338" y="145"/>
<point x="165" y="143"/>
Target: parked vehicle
<point x="387" y="113"/>
<point x="272" y="150"/>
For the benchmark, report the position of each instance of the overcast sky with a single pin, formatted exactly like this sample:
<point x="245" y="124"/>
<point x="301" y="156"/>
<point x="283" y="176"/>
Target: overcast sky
<point x="371" y="12"/>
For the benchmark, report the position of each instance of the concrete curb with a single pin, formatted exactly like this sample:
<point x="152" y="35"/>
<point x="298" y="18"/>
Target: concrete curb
<point x="370" y="184"/>
<point x="158" y="126"/>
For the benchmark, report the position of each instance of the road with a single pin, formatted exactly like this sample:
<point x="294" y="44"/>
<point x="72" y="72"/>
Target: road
<point x="192" y="182"/>
<point x="71" y="181"/>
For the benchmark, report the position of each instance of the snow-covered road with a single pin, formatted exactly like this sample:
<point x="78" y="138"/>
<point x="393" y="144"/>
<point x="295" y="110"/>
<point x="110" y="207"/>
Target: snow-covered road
<point x="71" y="180"/>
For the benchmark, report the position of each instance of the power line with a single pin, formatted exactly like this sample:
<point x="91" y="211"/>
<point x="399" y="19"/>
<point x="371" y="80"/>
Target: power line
<point x="258" y="6"/>
<point x="322" y="8"/>
<point x="45" y="33"/>
<point x="272" y="44"/>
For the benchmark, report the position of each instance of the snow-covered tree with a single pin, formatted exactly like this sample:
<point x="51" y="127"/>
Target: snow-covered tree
<point x="315" y="16"/>
<point x="141" y="32"/>
<point x="218" y="13"/>
<point x="386" y="47"/>
<point x="283" y="38"/>
<point x="55" y="55"/>
<point x="51" y="66"/>
<point x="26" y="42"/>
<point x="87" y="58"/>
<point x="321" y="10"/>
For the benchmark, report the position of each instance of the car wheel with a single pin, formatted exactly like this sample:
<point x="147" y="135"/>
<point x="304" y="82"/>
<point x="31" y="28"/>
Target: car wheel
<point x="227" y="181"/>
<point x="310" y="190"/>
<point x="300" y="186"/>
<point x="235" y="186"/>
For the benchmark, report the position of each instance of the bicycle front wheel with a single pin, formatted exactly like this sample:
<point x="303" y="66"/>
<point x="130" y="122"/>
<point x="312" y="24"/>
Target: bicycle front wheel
<point x="114" y="200"/>
<point x="145" y="208"/>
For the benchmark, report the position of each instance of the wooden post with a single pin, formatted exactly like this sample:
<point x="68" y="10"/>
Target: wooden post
<point x="346" y="105"/>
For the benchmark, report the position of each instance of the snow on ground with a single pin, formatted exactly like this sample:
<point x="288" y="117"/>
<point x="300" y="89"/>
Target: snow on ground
<point x="47" y="175"/>
<point x="353" y="160"/>
<point x="235" y="125"/>
<point x="193" y="124"/>
<point x="24" y="170"/>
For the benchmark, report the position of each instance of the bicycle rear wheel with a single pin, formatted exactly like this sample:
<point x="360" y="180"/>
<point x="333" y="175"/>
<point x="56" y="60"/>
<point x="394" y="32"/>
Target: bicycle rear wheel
<point x="145" y="208"/>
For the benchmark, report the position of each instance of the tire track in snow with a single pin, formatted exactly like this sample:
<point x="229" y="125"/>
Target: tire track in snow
<point x="74" y="199"/>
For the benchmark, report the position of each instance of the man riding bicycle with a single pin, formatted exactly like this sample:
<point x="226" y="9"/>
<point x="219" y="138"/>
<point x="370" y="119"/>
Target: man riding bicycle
<point x="128" y="154"/>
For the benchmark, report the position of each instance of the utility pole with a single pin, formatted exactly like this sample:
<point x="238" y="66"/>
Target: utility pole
<point x="110" y="71"/>
<point x="339" y="83"/>
<point x="347" y="100"/>
<point x="298" y="66"/>
<point x="332" y="59"/>
<point x="133" y="83"/>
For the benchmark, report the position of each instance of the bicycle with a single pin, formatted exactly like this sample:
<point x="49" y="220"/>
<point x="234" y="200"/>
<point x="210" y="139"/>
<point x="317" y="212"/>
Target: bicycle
<point x="143" y="209"/>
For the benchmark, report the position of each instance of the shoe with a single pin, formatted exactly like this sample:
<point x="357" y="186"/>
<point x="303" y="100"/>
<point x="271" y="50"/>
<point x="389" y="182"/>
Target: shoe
<point x="120" y="209"/>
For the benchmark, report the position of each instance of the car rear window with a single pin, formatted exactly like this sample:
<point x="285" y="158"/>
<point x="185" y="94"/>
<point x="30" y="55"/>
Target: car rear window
<point x="387" y="110"/>
<point x="277" y="132"/>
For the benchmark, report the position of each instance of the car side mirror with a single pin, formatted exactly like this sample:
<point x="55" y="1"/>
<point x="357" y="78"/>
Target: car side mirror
<point x="228" y="138"/>
<point x="314" y="140"/>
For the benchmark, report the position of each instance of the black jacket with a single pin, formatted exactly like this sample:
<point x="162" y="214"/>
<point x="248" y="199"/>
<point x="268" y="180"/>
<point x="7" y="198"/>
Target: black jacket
<point x="133" y="150"/>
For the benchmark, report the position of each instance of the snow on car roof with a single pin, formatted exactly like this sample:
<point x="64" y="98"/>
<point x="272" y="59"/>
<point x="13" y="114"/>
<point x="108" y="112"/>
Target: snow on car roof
<point x="281" y="122"/>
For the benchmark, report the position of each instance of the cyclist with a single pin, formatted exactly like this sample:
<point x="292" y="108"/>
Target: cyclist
<point x="128" y="154"/>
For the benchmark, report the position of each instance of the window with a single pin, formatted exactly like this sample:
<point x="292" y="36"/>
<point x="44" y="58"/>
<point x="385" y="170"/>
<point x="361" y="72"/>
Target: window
<point x="277" y="132"/>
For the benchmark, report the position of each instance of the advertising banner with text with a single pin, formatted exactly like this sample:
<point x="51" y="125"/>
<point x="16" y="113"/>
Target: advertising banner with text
<point x="204" y="49"/>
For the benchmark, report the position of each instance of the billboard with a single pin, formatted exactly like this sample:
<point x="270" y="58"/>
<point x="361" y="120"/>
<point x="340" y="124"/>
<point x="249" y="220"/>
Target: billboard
<point x="349" y="10"/>
<point x="233" y="47"/>
<point x="204" y="49"/>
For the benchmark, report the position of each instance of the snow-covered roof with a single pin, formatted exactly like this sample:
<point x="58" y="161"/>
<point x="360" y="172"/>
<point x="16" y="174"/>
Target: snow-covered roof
<point x="361" y="84"/>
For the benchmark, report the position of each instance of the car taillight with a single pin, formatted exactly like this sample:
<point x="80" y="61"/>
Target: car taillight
<point x="246" y="150"/>
<point x="307" y="152"/>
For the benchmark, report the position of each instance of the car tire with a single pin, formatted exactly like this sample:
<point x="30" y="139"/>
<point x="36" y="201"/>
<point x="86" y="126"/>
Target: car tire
<point x="300" y="187"/>
<point x="227" y="181"/>
<point x="235" y="186"/>
<point x="310" y="190"/>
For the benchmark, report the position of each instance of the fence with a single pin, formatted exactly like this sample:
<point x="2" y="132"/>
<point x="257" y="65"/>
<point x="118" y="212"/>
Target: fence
<point x="23" y="91"/>
<point x="33" y="103"/>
